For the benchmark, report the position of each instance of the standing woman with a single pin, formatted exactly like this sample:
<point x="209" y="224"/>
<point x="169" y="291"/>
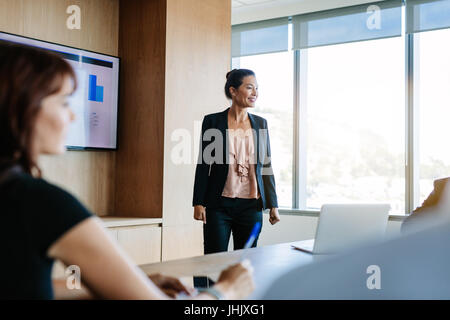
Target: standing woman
<point x="235" y="182"/>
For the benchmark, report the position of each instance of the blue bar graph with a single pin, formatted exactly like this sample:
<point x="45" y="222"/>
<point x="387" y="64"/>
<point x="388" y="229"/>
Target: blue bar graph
<point x="95" y="92"/>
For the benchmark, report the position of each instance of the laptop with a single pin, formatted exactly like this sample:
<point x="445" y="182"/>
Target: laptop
<point x="346" y="226"/>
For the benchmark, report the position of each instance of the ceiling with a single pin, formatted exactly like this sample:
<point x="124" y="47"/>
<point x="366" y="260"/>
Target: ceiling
<point x="255" y="10"/>
<point x="244" y="3"/>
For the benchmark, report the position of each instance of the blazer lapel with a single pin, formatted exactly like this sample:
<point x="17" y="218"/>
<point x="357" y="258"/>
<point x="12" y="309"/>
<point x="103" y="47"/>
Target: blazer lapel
<point x="223" y="127"/>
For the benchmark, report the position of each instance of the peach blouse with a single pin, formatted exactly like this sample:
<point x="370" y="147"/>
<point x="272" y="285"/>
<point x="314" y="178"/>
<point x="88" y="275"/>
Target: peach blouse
<point x="241" y="179"/>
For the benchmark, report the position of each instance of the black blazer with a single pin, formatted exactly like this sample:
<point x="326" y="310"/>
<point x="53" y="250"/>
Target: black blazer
<point x="211" y="175"/>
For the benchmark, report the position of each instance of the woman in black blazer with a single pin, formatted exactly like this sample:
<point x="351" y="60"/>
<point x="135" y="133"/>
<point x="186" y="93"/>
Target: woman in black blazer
<point x="234" y="181"/>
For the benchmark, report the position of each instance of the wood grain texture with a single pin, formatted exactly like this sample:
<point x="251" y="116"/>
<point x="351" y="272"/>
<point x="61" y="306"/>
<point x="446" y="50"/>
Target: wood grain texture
<point x="46" y="20"/>
<point x="197" y="59"/>
<point x="139" y="173"/>
<point x="90" y="176"/>
<point x="10" y="13"/>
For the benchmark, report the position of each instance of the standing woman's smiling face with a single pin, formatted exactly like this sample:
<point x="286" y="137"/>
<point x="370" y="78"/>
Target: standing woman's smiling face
<point x="247" y="93"/>
<point x="52" y="122"/>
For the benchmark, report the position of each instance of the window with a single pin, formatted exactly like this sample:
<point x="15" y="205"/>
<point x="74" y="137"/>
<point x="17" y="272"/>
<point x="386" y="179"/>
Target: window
<point x="354" y="127"/>
<point x="274" y="73"/>
<point x="432" y="52"/>
<point x="365" y="91"/>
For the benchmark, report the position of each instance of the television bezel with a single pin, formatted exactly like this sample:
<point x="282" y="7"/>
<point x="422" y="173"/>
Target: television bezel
<point x="79" y="148"/>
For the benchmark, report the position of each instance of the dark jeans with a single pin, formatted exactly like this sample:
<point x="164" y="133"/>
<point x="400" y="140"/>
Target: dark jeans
<point x="237" y="216"/>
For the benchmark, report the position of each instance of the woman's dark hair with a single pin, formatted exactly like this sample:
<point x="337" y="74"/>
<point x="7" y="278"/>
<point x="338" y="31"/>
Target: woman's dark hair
<point x="235" y="78"/>
<point x="27" y="76"/>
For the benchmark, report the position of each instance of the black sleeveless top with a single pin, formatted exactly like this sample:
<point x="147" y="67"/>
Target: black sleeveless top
<point x="33" y="214"/>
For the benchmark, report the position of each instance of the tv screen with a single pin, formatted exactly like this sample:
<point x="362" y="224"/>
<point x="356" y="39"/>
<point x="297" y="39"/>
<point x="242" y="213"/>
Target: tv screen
<point x="95" y="102"/>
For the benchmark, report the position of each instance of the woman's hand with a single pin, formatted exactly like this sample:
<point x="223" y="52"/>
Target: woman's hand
<point x="170" y="286"/>
<point x="274" y="216"/>
<point x="200" y="213"/>
<point x="236" y="282"/>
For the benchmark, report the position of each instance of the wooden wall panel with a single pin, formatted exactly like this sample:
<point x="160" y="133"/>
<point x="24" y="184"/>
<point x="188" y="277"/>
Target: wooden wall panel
<point x="197" y="59"/>
<point x="89" y="175"/>
<point x="139" y="172"/>
<point x="174" y="73"/>
<point x="46" y="20"/>
<point x="10" y="13"/>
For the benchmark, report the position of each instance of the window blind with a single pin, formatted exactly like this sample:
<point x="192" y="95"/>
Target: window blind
<point x="260" y="37"/>
<point x="382" y="19"/>
<point x="427" y="15"/>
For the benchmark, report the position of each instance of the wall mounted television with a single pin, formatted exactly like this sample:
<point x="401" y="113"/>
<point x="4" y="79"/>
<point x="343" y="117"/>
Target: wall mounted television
<point x="95" y="102"/>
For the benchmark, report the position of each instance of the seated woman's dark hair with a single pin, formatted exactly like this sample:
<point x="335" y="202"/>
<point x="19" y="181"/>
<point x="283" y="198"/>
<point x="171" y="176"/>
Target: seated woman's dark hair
<point x="27" y="76"/>
<point x="235" y="78"/>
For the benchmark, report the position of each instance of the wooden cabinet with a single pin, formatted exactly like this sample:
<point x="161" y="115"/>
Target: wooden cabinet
<point x="139" y="238"/>
<point x="113" y="233"/>
<point x="141" y="243"/>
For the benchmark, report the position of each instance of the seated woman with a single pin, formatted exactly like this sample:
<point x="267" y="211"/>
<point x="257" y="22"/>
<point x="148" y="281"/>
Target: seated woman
<point x="42" y="222"/>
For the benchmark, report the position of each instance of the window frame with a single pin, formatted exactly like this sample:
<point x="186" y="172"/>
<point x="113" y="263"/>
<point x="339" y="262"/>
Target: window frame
<point x="412" y="126"/>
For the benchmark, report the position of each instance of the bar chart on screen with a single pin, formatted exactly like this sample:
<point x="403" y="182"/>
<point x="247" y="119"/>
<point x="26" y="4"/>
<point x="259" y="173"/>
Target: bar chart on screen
<point x="95" y="91"/>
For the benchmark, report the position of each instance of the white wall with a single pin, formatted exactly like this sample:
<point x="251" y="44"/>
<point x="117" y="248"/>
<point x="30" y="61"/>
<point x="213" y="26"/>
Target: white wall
<point x="296" y="228"/>
<point x="285" y="8"/>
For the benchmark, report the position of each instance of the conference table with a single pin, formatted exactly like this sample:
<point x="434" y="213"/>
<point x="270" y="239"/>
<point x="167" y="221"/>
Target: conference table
<point x="269" y="262"/>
